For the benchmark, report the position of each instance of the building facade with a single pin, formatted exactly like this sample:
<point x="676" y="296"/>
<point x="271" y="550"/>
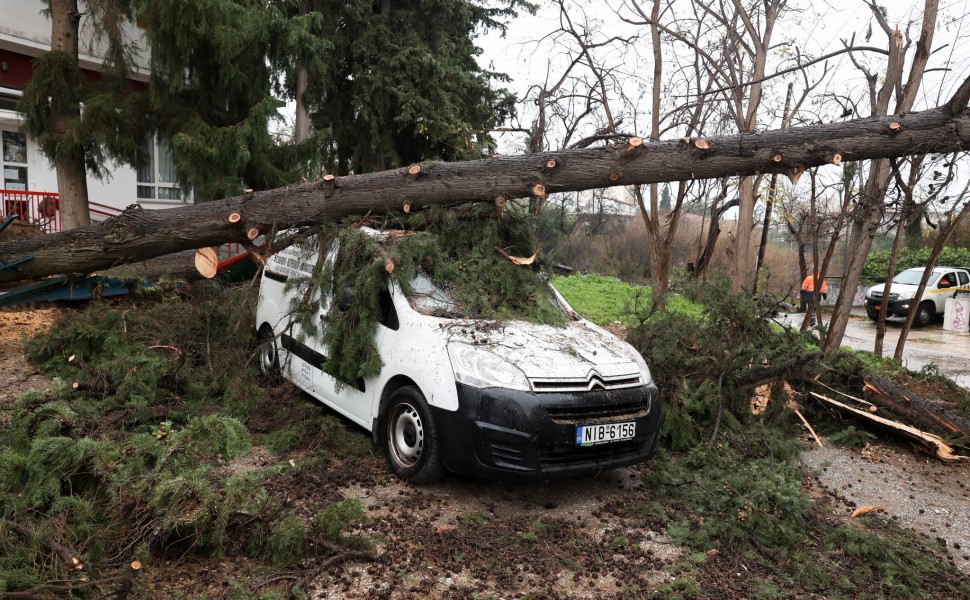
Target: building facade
<point x="29" y="182"/>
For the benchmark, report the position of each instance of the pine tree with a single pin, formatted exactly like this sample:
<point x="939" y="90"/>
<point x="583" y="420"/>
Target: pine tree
<point x="400" y="83"/>
<point x="109" y="127"/>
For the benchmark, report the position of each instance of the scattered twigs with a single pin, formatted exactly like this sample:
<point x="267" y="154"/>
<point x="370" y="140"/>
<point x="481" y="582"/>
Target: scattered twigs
<point x="934" y="444"/>
<point x="69" y="556"/>
<point x="810" y="430"/>
<point x="869" y="405"/>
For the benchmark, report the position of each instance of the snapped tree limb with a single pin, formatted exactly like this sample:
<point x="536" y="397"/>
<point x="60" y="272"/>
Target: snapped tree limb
<point x="139" y="234"/>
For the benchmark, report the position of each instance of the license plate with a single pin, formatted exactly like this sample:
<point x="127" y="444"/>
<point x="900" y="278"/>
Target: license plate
<point x="590" y="435"/>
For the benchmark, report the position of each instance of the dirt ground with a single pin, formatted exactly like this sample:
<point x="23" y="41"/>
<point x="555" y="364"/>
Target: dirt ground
<point x="572" y="538"/>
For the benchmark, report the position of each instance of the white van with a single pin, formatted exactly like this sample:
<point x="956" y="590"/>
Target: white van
<point x="504" y="399"/>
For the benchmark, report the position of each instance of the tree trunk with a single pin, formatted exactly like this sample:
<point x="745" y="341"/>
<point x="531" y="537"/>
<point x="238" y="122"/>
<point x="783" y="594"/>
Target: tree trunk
<point x="72" y="182"/>
<point x="301" y="128"/>
<point x="139" y="234"/>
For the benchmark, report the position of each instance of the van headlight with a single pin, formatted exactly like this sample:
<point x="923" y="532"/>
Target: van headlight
<point x="480" y="368"/>
<point x="645" y="376"/>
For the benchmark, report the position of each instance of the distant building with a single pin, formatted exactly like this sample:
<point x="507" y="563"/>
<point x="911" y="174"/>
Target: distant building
<point x="29" y="182"/>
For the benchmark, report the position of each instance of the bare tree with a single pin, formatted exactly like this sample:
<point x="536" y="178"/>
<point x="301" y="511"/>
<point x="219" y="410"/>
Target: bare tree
<point x="870" y="208"/>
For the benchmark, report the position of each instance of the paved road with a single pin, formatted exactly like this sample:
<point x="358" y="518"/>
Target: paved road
<point x="949" y="351"/>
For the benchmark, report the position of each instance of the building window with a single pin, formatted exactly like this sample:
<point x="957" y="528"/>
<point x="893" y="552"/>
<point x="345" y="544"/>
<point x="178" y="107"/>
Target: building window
<point x="14" y="160"/>
<point x="157" y="179"/>
<point x="8" y="101"/>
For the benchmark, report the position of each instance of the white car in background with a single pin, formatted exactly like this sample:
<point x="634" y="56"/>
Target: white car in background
<point x="943" y="283"/>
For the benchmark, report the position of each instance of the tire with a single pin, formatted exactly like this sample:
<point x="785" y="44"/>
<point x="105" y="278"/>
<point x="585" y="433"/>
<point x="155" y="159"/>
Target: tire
<point x="925" y="314"/>
<point x="409" y="436"/>
<point x="269" y="356"/>
<point x="873" y="315"/>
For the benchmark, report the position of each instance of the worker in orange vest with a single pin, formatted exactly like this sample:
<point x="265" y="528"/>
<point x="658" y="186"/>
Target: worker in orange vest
<point x="808" y="292"/>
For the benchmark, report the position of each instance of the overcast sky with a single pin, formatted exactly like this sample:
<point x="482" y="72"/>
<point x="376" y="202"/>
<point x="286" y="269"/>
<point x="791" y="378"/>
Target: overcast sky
<point x="816" y="30"/>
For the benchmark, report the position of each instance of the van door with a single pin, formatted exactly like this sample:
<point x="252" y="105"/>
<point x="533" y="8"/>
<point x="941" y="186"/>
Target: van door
<point x="354" y="399"/>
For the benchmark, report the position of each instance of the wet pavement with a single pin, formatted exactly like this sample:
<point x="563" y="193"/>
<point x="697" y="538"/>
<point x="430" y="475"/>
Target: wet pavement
<point x="930" y="345"/>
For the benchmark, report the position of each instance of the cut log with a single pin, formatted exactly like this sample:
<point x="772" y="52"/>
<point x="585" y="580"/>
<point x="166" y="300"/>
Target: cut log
<point x="207" y="262"/>
<point x="913" y="408"/>
<point x="933" y="444"/>
<point x="139" y="234"/>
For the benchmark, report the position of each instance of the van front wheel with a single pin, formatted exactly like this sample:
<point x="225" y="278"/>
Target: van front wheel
<point x="410" y="441"/>
<point x="269" y="357"/>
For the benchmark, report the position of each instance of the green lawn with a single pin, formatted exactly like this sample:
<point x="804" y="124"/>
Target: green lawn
<point x="607" y="299"/>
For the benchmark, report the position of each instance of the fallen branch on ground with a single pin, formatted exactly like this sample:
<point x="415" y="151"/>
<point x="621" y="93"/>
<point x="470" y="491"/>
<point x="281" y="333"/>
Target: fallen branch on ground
<point x="934" y="444"/>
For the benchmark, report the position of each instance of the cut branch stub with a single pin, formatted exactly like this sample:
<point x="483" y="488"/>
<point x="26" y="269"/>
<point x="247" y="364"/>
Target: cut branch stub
<point x="539" y="190"/>
<point x="702" y="144"/>
<point x="500" y="201"/>
<point x="413" y="172"/>
<point x="252" y="234"/>
<point x="614" y="177"/>
<point x="234" y="217"/>
<point x="776" y="158"/>
<point x="895" y="127"/>
<point x="406" y="207"/>
<point x="329" y="182"/>
<point x="635" y="143"/>
<point x="550" y="164"/>
<point x="836" y="159"/>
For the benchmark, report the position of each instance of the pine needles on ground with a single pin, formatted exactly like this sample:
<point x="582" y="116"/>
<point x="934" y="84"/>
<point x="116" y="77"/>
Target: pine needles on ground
<point x="137" y="460"/>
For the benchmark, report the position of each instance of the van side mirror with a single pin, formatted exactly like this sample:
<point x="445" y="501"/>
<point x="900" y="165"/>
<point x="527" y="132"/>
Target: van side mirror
<point x="345" y="299"/>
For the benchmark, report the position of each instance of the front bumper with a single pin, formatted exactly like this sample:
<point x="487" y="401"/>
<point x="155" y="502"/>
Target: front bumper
<point x="509" y="434"/>
<point x="896" y="308"/>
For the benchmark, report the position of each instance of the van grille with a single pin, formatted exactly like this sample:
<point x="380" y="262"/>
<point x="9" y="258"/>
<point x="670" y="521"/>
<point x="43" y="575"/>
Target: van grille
<point x="564" y="456"/>
<point x="586" y="414"/>
<point x="584" y="384"/>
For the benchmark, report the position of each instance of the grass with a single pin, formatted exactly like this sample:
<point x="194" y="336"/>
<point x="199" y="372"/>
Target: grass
<point x="605" y="300"/>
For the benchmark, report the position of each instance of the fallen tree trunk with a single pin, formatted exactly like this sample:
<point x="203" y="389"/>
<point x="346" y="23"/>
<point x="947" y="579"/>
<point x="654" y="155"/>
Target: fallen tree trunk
<point x="139" y="234"/>
<point x="912" y="407"/>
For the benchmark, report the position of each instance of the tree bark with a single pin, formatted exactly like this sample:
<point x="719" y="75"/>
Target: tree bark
<point x="72" y="182"/>
<point x="140" y="234"/>
<point x="301" y="128"/>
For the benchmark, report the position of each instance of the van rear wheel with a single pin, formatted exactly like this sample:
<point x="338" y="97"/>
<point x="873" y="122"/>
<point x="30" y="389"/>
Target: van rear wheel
<point x="410" y="439"/>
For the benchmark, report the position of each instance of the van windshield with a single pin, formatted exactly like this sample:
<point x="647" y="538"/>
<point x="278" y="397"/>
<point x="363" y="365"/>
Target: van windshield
<point x="910" y="277"/>
<point x="428" y="298"/>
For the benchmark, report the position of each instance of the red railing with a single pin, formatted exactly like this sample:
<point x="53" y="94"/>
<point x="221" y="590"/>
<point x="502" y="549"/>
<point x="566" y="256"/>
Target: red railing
<point x="40" y="208"/>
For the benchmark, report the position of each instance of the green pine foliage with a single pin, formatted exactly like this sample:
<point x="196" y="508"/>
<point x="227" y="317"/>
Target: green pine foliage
<point x="404" y="86"/>
<point x="111" y="125"/>
<point x="455" y="249"/>
<point x="138" y="461"/>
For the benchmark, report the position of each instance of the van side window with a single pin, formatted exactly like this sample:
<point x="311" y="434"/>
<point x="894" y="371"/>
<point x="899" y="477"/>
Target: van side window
<point x="964" y="278"/>
<point x="388" y="316"/>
